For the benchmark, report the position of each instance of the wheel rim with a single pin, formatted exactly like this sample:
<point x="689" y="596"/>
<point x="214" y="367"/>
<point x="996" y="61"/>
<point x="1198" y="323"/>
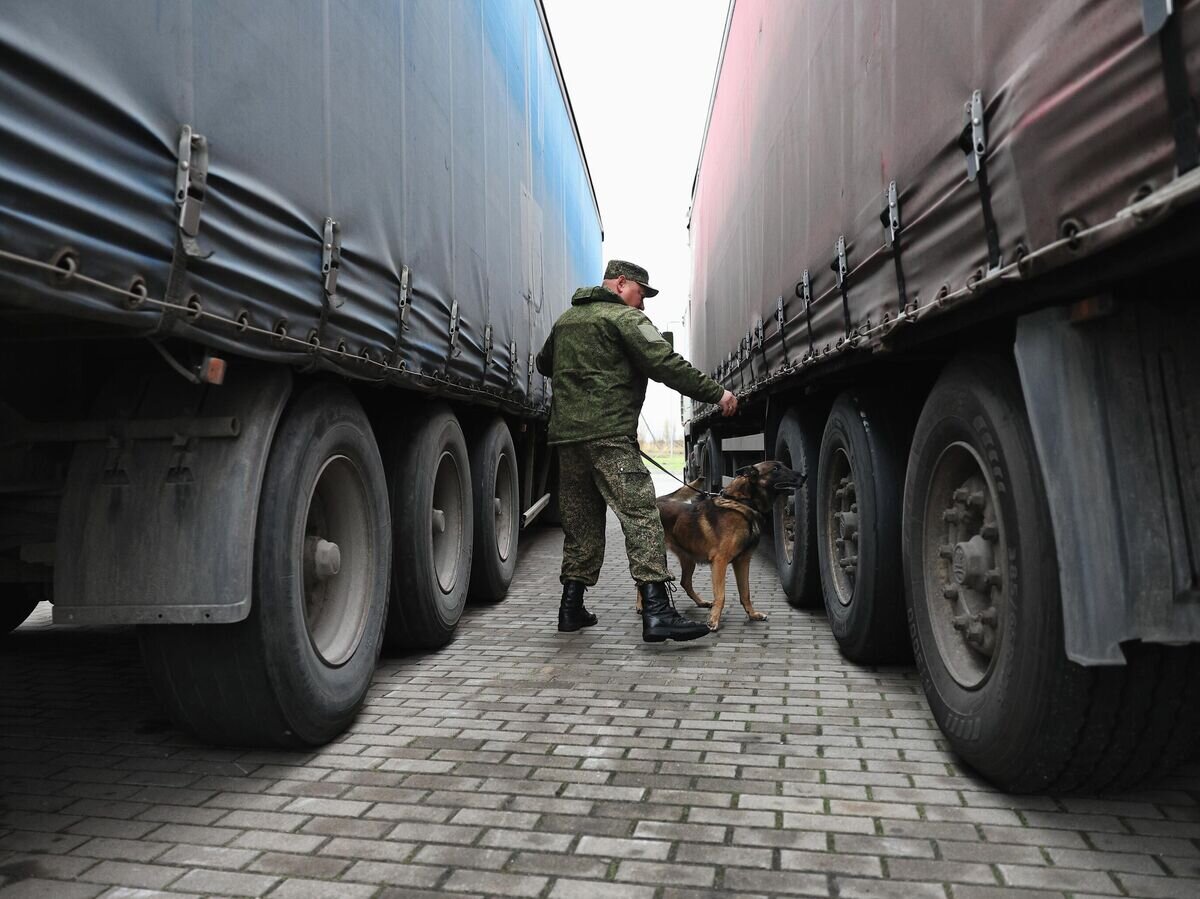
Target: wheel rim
<point x="841" y="513"/>
<point x="787" y="516"/>
<point x="446" y="522"/>
<point x="965" y="589"/>
<point x="336" y="560"/>
<point x="503" y="503"/>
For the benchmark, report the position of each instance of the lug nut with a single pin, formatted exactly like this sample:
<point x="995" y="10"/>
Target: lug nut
<point x="946" y="551"/>
<point x="950" y="592"/>
<point x="960" y="622"/>
<point x="960" y="495"/>
<point x="976" y="500"/>
<point x="990" y="533"/>
<point x="952" y="515"/>
<point x="975" y="633"/>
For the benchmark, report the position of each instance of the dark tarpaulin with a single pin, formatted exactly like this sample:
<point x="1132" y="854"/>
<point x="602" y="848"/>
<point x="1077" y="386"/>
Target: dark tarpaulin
<point x="819" y="106"/>
<point x="435" y="133"/>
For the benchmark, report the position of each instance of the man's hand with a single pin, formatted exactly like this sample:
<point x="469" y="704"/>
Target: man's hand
<point x="728" y="404"/>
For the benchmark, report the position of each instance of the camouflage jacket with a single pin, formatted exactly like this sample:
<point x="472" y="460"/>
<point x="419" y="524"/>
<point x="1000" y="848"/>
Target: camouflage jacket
<point x="600" y="354"/>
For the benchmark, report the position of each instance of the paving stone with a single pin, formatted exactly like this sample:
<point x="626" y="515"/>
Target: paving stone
<point x="391" y="874"/>
<point x="126" y="850"/>
<point x="228" y="883"/>
<point x="134" y="875"/>
<point x="207" y="856"/>
<point x="666" y="873"/>
<point x="302" y="866"/>
<point x="37" y="888"/>
<point x="297" y="888"/>
<point x="570" y="888"/>
<point x="494" y="883"/>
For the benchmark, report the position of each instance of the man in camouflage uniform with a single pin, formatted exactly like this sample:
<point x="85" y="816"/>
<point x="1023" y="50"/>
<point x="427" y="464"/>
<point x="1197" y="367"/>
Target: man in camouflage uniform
<point x="600" y="354"/>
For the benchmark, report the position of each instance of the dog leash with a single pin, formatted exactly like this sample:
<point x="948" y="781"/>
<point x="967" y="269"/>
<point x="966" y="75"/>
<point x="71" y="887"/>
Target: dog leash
<point x="707" y="493"/>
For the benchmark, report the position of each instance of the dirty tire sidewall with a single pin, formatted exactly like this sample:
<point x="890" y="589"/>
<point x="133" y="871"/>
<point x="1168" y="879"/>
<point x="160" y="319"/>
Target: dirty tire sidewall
<point x="317" y="700"/>
<point x="870" y="629"/>
<point x="797" y="445"/>
<point x="1018" y="726"/>
<point x="711" y="464"/>
<point x="491" y="574"/>
<point x="421" y="615"/>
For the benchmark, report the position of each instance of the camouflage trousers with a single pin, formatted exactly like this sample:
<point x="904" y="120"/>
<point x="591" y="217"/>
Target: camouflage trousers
<point x="608" y="473"/>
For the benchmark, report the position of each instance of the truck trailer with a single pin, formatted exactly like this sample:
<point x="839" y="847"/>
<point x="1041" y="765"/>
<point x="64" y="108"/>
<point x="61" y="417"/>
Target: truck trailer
<point x="945" y="252"/>
<point x="272" y="275"/>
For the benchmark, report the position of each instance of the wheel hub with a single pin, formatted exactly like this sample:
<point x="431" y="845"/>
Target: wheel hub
<point x="446" y="518"/>
<point x="335" y="560"/>
<point x="843" y="532"/>
<point x="322" y="559"/>
<point x="961" y="523"/>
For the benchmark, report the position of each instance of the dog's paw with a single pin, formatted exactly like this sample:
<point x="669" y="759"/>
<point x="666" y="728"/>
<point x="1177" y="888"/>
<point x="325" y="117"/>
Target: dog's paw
<point x="714" y="623"/>
<point x="758" y="616"/>
<point x="704" y="603"/>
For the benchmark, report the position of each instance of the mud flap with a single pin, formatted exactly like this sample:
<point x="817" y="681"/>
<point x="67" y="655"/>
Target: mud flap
<point x="157" y="522"/>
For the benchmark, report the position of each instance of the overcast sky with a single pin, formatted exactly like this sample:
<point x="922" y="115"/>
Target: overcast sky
<point x="640" y="73"/>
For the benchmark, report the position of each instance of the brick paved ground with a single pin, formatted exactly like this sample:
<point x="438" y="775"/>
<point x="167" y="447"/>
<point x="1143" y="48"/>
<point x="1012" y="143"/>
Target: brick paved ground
<point x="521" y="762"/>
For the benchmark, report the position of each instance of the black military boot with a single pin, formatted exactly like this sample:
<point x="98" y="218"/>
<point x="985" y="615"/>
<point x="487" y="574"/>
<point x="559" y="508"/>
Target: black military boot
<point x="571" y="613"/>
<point x="661" y="621"/>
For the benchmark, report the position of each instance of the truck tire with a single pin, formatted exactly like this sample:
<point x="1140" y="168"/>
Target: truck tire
<point x="497" y="510"/>
<point x="22" y="599"/>
<point x="429" y="482"/>
<point x="295" y="671"/>
<point x="860" y="476"/>
<point x="795" y="517"/>
<point x="988" y="637"/>
<point x="712" y="466"/>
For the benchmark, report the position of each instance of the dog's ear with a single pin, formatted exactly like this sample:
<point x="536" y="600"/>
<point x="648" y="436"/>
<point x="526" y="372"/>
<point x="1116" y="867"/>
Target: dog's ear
<point x="747" y="471"/>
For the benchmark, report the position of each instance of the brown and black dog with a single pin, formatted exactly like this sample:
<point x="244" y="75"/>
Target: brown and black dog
<point x="723" y="530"/>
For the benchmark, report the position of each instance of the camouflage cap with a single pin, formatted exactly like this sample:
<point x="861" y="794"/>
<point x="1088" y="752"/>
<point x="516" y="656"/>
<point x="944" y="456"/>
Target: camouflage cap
<point x="618" y="267"/>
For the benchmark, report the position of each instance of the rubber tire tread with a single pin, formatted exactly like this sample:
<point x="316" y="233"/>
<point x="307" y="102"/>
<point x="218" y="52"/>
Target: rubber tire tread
<point x="1141" y="720"/>
<point x="252" y="683"/>
<point x="411" y="454"/>
<point x="871" y="629"/>
<point x="801" y="578"/>
<point x="490" y="575"/>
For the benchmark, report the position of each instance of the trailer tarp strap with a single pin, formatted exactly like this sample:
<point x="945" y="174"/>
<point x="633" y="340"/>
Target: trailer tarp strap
<point x="804" y="292"/>
<point x="781" y="319"/>
<point x="973" y="142"/>
<point x="891" y="226"/>
<point x="1180" y="104"/>
<point x="842" y="269"/>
